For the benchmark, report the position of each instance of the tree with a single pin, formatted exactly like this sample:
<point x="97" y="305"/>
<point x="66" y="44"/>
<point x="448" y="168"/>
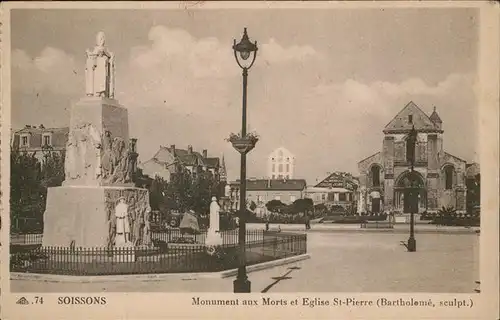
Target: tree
<point x="473" y="192"/>
<point x="53" y="169"/>
<point x="30" y="180"/>
<point x="302" y="205"/>
<point x="203" y="187"/>
<point x="157" y="199"/>
<point x="275" y="205"/>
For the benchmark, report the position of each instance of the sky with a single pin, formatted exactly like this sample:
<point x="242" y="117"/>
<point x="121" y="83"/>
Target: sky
<point x="324" y="84"/>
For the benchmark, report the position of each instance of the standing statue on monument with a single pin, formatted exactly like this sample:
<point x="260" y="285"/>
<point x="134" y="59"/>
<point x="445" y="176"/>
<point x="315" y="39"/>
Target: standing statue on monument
<point x="213" y="235"/>
<point x="122" y="223"/>
<point x="99" y="70"/>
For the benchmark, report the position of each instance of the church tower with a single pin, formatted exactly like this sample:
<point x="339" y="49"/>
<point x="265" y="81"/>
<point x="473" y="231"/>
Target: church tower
<point x="222" y="170"/>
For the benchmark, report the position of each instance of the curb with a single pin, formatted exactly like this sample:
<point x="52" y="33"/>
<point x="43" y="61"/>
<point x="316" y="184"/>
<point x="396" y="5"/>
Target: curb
<point x="152" y="277"/>
<point x="266" y="265"/>
<point x="394" y="231"/>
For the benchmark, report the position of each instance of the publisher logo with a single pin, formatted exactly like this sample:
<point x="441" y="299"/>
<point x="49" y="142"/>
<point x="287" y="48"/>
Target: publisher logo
<point x="23" y="301"/>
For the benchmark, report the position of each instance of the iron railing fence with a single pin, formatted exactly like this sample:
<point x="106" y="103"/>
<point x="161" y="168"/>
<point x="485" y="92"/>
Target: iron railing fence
<point x="171" y="258"/>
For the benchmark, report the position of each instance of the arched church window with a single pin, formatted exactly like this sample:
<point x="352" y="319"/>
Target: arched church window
<point x="375" y="171"/>
<point x="448" y="176"/>
<point x="410" y="150"/>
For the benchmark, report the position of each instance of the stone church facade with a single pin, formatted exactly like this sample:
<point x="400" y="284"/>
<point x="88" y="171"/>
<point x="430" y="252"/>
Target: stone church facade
<point x="383" y="175"/>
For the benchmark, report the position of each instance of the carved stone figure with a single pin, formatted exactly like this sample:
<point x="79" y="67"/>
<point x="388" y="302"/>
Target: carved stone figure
<point x="138" y="225"/>
<point x="146" y="233"/>
<point x="119" y="160"/>
<point x="122" y="236"/>
<point x="95" y="145"/>
<point x="106" y="160"/>
<point x="83" y="154"/>
<point x="99" y="71"/>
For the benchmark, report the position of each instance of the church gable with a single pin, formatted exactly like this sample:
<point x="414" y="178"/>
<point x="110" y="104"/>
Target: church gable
<point x="449" y="158"/>
<point x="410" y="115"/>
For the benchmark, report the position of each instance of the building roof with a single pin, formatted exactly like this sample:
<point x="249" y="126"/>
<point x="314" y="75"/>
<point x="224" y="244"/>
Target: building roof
<point x="342" y="180"/>
<point x="162" y="155"/>
<point x="421" y="121"/>
<point x="41" y="130"/>
<point x="268" y="184"/>
<point x="435" y="117"/>
<point x="212" y="162"/>
<point x="194" y="158"/>
<point x="327" y="190"/>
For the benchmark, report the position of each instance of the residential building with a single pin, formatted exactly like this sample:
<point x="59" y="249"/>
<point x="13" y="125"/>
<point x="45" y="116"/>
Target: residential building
<point x="168" y="161"/>
<point x="384" y="175"/>
<point x="261" y="191"/>
<point x="40" y="140"/>
<point x="337" y="189"/>
<point x="280" y="164"/>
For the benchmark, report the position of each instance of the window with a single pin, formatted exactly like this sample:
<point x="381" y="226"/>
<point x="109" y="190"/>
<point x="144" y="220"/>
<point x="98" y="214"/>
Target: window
<point x="46" y="140"/>
<point x="292" y="198"/>
<point x="24" y="141"/>
<point x="342" y="197"/>
<point x="280" y="168"/>
<point x="287" y="167"/>
<point x="410" y="118"/>
<point x="323" y="197"/>
<point x="448" y="176"/>
<point x="375" y="171"/>
<point x="410" y="150"/>
<point x="274" y="168"/>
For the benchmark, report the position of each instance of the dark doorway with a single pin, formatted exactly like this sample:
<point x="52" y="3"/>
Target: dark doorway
<point x="376" y="205"/>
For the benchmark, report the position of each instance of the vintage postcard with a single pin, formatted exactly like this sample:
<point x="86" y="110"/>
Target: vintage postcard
<point x="236" y="160"/>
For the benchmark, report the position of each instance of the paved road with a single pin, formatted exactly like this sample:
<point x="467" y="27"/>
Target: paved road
<point x="340" y="262"/>
<point x="402" y="228"/>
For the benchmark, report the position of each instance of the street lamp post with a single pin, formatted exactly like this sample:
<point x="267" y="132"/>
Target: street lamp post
<point x="243" y="144"/>
<point x="413" y="188"/>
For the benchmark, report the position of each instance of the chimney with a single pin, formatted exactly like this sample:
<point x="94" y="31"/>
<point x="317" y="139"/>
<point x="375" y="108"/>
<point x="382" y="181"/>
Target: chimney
<point x="172" y="149"/>
<point x="205" y="153"/>
<point x="190" y="149"/>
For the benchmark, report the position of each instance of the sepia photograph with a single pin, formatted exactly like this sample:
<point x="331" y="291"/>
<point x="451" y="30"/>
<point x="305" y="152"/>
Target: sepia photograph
<point x="244" y="150"/>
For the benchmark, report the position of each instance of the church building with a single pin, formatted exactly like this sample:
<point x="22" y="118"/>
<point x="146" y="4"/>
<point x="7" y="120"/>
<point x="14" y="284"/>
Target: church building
<point x="385" y="174"/>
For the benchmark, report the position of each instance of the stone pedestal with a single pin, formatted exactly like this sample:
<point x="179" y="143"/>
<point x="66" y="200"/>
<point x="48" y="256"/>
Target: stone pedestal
<point x="97" y="152"/>
<point x="104" y="113"/>
<point x="85" y="216"/>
